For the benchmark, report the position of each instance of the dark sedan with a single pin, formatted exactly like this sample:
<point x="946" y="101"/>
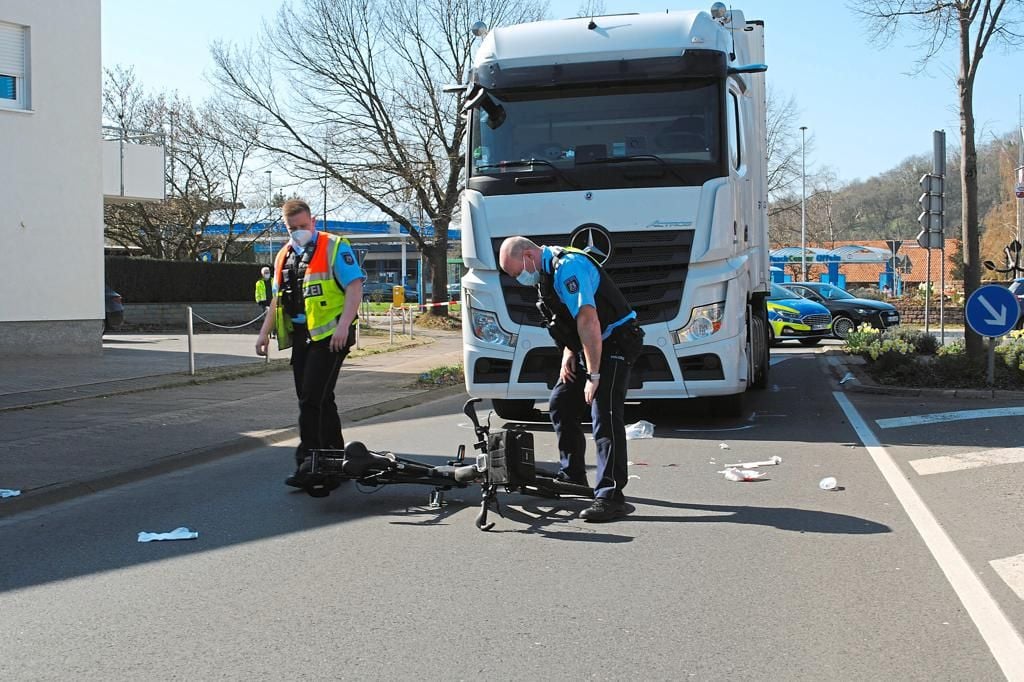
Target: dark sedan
<point x="848" y="311"/>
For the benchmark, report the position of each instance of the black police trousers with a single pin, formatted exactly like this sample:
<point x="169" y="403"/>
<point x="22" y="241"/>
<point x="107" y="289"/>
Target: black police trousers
<point x="568" y="410"/>
<point x="315" y="370"/>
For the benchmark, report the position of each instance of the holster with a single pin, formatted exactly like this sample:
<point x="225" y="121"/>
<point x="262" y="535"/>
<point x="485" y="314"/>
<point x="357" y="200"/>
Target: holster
<point x="628" y="340"/>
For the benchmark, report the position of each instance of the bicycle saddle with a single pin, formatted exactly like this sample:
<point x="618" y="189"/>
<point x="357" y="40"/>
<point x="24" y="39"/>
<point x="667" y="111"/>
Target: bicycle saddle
<point x="359" y="460"/>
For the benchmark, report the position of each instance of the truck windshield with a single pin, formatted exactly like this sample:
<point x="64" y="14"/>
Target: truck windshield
<point x="625" y="135"/>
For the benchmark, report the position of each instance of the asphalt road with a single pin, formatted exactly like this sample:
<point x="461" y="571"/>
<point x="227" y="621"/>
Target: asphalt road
<point x="707" y="579"/>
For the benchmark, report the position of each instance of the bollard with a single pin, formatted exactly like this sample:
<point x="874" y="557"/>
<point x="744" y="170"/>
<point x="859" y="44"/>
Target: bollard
<point x="391" y="330"/>
<point x="191" y="353"/>
<point x="359" y="333"/>
<point x="412" y="319"/>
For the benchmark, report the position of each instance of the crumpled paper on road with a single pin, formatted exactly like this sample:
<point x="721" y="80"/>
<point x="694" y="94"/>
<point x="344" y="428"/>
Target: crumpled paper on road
<point x="176" y="534"/>
<point x="734" y="474"/>
<point x="7" y="492"/>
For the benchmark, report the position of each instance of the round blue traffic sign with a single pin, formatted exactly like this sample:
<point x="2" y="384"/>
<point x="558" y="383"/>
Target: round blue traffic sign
<point x="992" y="310"/>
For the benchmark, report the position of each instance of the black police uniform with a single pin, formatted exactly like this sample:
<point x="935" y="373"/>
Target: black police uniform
<point x="567" y="406"/>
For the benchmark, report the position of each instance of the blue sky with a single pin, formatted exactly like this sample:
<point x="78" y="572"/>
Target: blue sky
<point x="863" y="108"/>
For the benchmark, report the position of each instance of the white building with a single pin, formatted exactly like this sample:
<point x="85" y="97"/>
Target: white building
<point x="52" y="177"/>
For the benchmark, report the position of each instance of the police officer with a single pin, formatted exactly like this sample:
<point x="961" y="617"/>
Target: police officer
<point x="317" y="289"/>
<point x="264" y="288"/>
<point x="596" y="329"/>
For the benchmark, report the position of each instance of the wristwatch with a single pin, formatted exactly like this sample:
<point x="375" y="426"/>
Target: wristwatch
<point x="593" y="377"/>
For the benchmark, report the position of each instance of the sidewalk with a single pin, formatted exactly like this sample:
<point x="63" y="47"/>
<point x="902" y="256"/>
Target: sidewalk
<point x="135" y="412"/>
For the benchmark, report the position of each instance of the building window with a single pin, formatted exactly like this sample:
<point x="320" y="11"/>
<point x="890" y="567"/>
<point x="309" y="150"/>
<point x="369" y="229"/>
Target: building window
<point x="13" y="66"/>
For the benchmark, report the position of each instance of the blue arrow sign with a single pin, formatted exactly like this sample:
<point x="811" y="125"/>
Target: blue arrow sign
<point x="992" y="310"/>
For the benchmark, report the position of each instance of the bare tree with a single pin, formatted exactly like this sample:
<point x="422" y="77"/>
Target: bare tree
<point x="591" y="8"/>
<point x="207" y="174"/>
<point x="784" y="144"/>
<point x="972" y="24"/>
<point x="352" y="89"/>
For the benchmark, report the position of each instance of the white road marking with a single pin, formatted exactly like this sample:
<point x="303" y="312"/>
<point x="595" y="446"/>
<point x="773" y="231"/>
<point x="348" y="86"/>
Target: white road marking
<point x="967" y="460"/>
<point x="776" y="360"/>
<point x="1011" y="570"/>
<point x="938" y="417"/>
<point x="1003" y="640"/>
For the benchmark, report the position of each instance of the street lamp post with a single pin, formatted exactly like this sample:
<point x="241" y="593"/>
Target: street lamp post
<point x="803" y="203"/>
<point x="270" y="228"/>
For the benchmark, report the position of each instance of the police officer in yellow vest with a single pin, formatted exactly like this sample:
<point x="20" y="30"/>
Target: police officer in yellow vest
<point x="318" y="286"/>
<point x="264" y="288"/>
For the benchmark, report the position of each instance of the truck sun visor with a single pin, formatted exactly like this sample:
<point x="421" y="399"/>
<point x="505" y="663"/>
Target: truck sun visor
<point x="690" y="64"/>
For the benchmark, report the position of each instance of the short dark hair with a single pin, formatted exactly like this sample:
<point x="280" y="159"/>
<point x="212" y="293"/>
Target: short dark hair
<point x="293" y="207"/>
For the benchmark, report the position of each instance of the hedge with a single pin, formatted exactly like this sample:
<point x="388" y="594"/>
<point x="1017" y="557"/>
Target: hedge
<point x="147" y="280"/>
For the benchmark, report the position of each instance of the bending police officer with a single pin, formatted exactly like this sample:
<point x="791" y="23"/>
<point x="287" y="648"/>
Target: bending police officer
<point x="317" y="290"/>
<point x="596" y="330"/>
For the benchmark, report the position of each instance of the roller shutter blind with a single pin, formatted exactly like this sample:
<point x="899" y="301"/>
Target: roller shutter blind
<point x="12" y="61"/>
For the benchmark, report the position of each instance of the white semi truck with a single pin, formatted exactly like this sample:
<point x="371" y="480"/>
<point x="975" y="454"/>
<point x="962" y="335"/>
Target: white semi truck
<point x="643" y="137"/>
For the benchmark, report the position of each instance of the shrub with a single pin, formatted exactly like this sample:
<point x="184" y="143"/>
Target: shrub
<point x="1011" y="352"/>
<point x="860" y="339"/>
<point x="924" y="344"/>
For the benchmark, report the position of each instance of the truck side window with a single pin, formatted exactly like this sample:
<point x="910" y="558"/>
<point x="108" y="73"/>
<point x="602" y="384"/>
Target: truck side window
<point x="733" y="124"/>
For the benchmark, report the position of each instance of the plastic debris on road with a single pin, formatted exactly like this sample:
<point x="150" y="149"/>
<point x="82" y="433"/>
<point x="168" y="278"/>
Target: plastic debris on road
<point x="642" y="429"/>
<point x="176" y="534"/>
<point x="633" y="476"/>
<point x="775" y="459"/>
<point x="7" y="492"/>
<point x="846" y="377"/>
<point x="829" y="483"/>
<point x="734" y="474"/>
<point x="723" y="446"/>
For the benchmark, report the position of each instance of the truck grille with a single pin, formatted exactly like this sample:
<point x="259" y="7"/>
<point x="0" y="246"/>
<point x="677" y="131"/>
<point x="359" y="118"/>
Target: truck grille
<point x="648" y="267"/>
<point x="816" y="319"/>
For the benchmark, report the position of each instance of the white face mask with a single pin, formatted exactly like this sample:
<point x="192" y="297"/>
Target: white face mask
<point x="528" y="279"/>
<point x="301" y="237"/>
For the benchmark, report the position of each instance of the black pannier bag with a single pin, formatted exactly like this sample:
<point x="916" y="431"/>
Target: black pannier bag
<point x="510" y="458"/>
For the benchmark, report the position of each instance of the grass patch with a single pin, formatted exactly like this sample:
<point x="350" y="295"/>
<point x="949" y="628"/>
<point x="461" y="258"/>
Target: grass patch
<point x="450" y="375"/>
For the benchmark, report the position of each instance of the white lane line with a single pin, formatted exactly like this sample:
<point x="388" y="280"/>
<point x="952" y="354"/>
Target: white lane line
<point x="776" y="360"/>
<point x="938" y="417"/>
<point x="1011" y="570"/>
<point x="1003" y="641"/>
<point x="967" y="460"/>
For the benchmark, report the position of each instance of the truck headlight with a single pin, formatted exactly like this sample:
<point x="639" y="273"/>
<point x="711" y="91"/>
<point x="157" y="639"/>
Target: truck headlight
<point x="704" y="321"/>
<point x="487" y="328"/>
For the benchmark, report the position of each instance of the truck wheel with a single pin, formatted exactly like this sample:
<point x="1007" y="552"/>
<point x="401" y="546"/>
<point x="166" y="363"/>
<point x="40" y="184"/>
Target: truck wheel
<point x="761" y="355"/>
<point x="517" y="410"/>
<point x="842" y="326"/>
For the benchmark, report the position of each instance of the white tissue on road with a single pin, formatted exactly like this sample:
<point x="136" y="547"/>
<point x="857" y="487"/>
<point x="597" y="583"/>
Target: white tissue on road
<point x="734" y="474"/>
<point x="176" y="534"/>
<point x="723" y="446"/>
<point x="775" y="459"/>
<point x="7" y="492"/>
<point x="633" y="476"/>
<point x="642" y="429"/>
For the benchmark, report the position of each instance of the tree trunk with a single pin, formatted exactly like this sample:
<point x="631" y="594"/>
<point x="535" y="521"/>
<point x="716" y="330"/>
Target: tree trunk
<point x="438" y="261"/>
<point x="969" y="184"/>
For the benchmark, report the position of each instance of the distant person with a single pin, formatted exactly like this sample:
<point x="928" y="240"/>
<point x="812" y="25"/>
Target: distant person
<point x="887" y="291"/>
<point x="317" y="290"/>
<point x="596" y="330"/>
<point x="264" y="288"/>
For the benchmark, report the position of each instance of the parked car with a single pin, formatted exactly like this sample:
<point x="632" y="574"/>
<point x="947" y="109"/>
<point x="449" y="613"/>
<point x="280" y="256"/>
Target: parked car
<point x="848" y="311"/>
<point x="793" y="317"/>
<point x="1017" y="289"/>
<point x="454" y="291"/>
<point x="114" y="317"/>
<point x="383" y="292"/>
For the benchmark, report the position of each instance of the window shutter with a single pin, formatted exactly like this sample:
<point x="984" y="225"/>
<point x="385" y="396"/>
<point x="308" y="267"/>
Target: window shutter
<point x="12" y="50"/>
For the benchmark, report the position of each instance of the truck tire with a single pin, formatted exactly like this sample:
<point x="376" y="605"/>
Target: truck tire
<point x="517" y="410"/>
<point x="760" y="335"/>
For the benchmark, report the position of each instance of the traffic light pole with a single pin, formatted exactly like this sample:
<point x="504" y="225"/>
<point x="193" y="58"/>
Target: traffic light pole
<point x="931" y="220"/>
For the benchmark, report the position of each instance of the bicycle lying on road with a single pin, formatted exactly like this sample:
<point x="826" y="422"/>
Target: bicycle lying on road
<point x="505" y="462"/>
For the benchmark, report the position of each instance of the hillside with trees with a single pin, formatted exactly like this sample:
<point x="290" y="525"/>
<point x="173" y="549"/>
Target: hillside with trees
<point x="885" y="206"/>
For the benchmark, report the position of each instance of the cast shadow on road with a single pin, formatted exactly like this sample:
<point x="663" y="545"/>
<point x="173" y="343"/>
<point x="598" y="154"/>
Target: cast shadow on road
<point x="783" y="518"/>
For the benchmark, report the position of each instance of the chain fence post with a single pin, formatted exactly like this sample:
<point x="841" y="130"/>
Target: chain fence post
<point x="191" y="352"/>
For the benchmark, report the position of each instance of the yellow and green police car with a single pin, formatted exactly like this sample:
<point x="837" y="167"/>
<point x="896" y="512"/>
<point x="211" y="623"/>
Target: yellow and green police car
<point x="793" y="317"/>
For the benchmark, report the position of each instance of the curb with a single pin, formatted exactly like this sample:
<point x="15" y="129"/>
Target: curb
<point x="854" y="380"/>
<point x="62" y="492"/>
